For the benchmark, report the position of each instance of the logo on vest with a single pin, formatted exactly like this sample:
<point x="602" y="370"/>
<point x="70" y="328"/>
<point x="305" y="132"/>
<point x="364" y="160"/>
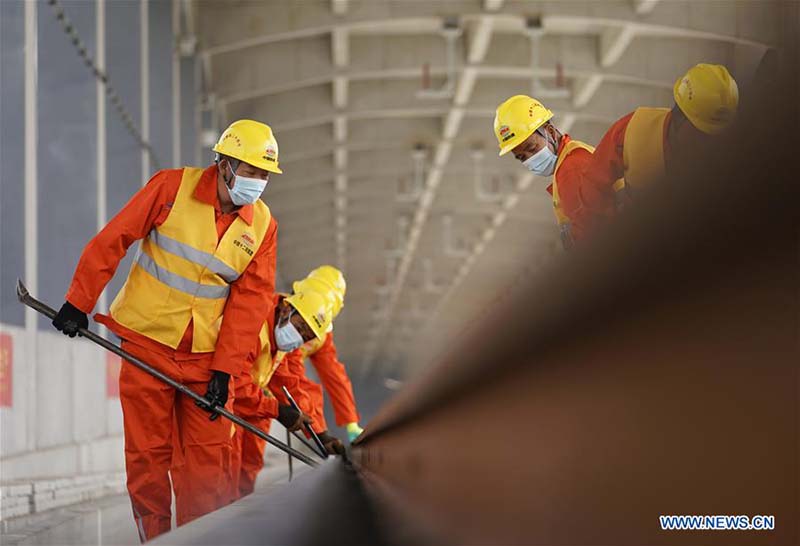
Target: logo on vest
<point x="245" y="243"/>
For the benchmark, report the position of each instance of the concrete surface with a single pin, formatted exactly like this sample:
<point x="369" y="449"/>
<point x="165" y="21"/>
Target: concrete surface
<point x="108" y="520"/>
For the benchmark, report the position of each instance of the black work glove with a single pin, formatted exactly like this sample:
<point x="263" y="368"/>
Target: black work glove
<point x="69" y="319"/>
<point x="333" y="445"/>
<point x="292" y="419"/>
<point x="216" y="394"/>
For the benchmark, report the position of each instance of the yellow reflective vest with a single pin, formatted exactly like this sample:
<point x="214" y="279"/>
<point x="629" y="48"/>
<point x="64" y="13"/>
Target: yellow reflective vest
<point x="182" y="272"/>
<point x="266" y="363"/>
<point x="643" y="147"/>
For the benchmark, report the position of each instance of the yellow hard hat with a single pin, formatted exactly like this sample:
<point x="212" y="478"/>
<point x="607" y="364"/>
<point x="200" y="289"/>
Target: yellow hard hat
<point x="252" y="142"/>
<point x="323" y="288"/>
<point x="708" y="97"/>
<point x="334" y="279"/>
<point x="315" y="309"/>
<point x="517" y="119"/>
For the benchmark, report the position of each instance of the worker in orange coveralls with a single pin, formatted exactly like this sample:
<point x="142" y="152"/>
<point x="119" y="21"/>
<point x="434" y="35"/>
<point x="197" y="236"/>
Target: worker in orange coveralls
<point x="208" y="247"/>
<point x="640" y="146"/>
<point x="322" y="354"/>
<point x="523" y="126"/>
<point x="297" y="319"/>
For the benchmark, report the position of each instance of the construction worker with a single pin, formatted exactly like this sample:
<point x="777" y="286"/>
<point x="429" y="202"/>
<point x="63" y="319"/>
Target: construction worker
<point x="208" y="246"/>
<point x="276" y="363"/>
<point x="322" y="354"/>
<point x="641" y="145"/>
<point x="523" y="126"/>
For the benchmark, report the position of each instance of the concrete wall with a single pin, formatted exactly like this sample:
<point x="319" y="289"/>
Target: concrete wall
<point x="63" y="417"/>
<point x="60" y="418"/>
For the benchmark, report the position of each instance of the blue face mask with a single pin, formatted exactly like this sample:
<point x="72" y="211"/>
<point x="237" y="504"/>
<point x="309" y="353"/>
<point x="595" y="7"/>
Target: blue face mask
<point x="245" y="191"/>
<point x="542" y="163"/>
<point x="287" y="338"/>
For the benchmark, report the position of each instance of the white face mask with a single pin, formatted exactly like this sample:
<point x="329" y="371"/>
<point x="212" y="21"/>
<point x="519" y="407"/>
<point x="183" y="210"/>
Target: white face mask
<point x="246" y="190"/>
<point x="287" y="338"/>
<point x="542" y="163"/>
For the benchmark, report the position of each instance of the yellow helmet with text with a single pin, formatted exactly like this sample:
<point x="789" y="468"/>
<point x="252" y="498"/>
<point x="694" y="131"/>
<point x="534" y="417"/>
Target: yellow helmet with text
<point x="517" y="119"/>
<point x="315" y="309"/>
<point x="252" y="142"/>
<point x="708" y="96"/>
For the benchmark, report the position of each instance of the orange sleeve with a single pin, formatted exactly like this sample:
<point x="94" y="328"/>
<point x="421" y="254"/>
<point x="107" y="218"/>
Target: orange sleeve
<point x="605" y="168"/>
<point x="316" y="404"/>
<point x="305" y="392"/>
<point x="336" y="382"/>
<point x="246" y="307"/>
<point x="147" y="208"/>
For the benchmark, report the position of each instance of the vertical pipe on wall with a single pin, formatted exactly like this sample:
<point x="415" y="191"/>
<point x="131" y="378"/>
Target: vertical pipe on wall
<point x="31" y="235"/>
<point x="176" y="84"/>
<point x="100" y="58"/>
<point x="144" y="66"/>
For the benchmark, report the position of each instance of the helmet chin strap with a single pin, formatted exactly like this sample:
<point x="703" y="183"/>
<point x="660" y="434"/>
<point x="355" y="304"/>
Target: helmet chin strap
<point x="546" y="134"/>
<point x="233" y="170"/>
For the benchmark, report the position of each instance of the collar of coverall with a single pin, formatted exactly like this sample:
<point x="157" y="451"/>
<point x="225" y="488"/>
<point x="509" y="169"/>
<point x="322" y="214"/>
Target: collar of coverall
<point x="206" y="191"/>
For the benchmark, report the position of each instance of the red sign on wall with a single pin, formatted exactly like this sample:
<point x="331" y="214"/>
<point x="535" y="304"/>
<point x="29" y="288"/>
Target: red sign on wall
<point x="6" y="371"/>
<point x="113" y="364"/>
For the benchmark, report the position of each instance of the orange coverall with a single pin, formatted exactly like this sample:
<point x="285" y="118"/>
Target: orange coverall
<point x="583" y="220"/>
<point x="606" y="166"/>
<point x="337" y="384"/>
<point x="258" y="408"/>
<point x="150" y="408"/>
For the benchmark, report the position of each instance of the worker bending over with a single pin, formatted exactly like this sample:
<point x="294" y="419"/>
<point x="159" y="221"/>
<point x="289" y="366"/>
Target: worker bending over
<point x="207" y="257"/>
<point x="275" y="363"/>
<point x="523" y="126"/>
<point x="641" y="146"/>
<point x="322" y="354"/>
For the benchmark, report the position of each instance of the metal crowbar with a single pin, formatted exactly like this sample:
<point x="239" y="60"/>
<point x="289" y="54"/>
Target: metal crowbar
<point x="41" y="307"/>
<point x="322" y="451"/>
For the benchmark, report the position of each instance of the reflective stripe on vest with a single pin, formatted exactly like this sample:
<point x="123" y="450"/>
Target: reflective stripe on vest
<point x="203" y="259"/>
<point x="183" y="271"/>
<point x="177" y="282"/>
<point x="643" y="147"/>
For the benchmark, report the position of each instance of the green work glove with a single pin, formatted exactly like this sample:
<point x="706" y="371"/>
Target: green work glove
<point x="353" y="431"/>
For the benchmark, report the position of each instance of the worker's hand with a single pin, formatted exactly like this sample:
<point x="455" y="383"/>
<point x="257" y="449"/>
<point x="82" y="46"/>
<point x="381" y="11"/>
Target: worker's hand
<point x="217" y="393"/>
<point x="69" y="319"/>
<point x="333" y="445"/>
<point x="292" y="419"/>
<point x="353" y="431"/>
